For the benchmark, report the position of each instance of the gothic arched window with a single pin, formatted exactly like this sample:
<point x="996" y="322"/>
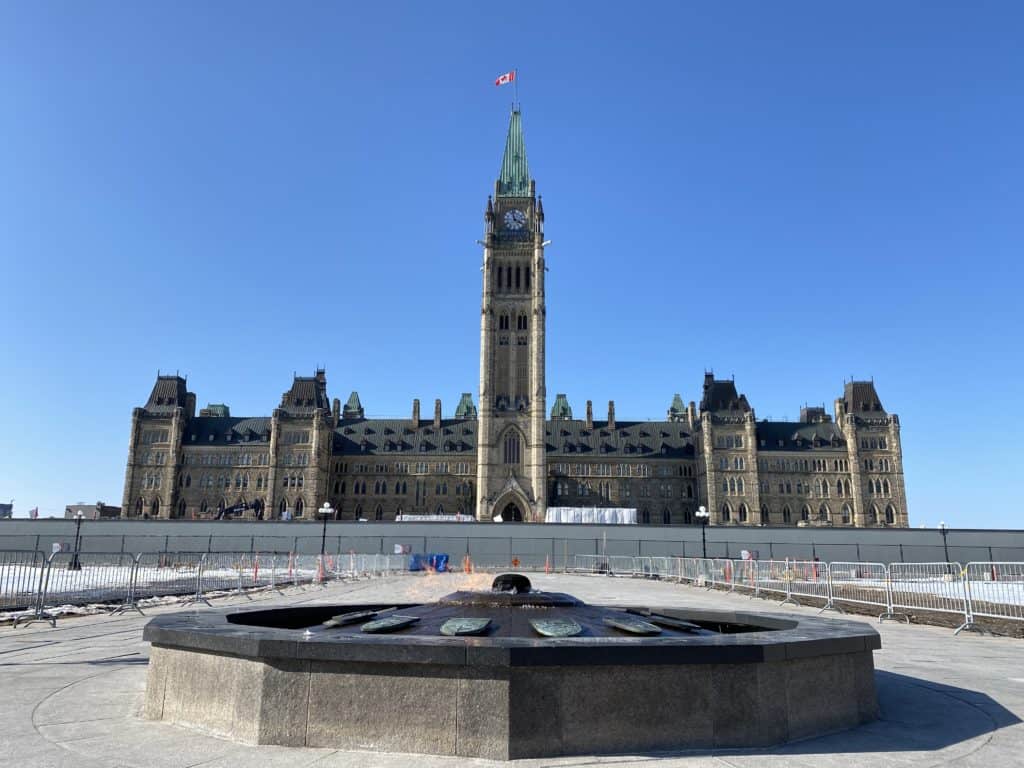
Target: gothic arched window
<point x="890" y="514"/>
<point x="787" y="516"/>
<point x="726" y="513"/>
<point x="512" y="449"/>
<point x="743" y="513"/>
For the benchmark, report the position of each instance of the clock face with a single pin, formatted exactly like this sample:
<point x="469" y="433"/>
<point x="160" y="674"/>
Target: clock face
<point x="515" y="219"/>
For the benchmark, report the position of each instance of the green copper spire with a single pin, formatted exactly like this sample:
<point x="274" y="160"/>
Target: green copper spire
<point x="353" y="408"/>
<point x="561" y="409"/>
<point x="515" y="173"/>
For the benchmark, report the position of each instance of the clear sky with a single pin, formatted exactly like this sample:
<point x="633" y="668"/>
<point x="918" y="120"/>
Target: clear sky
<point x="788" y="193"/>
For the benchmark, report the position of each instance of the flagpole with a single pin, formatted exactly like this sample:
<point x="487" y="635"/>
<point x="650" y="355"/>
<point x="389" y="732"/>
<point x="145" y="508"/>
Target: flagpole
<point x="515" y="87"/>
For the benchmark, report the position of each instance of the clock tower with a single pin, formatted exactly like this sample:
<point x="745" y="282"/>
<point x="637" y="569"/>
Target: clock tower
<point x="511" y="466"/>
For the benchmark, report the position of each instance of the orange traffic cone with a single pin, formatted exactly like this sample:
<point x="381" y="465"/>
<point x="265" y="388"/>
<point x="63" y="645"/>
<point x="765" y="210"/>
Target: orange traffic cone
<point x="547" y="564"/>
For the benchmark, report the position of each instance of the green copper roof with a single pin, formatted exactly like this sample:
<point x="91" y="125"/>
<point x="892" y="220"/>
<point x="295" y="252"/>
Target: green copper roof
<point x="561" y="409"/>
<point x="677" y="407"/>
<point x="353" y="408"/>
<point x="515" y="173"/>
<point x="465" y="409"/>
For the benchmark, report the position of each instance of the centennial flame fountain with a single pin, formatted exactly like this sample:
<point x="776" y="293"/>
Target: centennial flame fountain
<point x="509" y="673"/>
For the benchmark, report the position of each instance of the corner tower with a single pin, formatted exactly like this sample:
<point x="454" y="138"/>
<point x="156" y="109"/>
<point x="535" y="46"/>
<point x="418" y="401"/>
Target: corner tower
<point x="511" y="471"/>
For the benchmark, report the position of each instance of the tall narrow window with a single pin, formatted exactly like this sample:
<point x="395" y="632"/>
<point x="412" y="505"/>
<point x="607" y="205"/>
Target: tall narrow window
<point x="517" y="278"/>
<point x="512" y="448"/>
<point x="527" y="271"/>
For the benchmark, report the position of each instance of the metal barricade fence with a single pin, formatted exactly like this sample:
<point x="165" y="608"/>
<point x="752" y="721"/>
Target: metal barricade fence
<point x="21" y="574"/>
<point x="861" y="584"/>
<point x="622" y="564"/>
<point x="994" y="589"/>
<point x="721" y="572"/>
<point x="744" y="574"/>
<point x="660" y="567"/>
<point x="810" y="580"/>
<point x="775" y="576"/>
<point x="928" y="587"/>
<point x="586" y="563"/>
<point x="222" y="571"/>
<point x="87" y="577"/>
<point x="166" y="574"/>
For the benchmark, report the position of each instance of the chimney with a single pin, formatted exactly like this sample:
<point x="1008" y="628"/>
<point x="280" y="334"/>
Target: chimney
<point x="437" y="414"/>
<point x="611" y="414"/>
<point x="416" y="413"/>
<point x="590" y="414"/>
<point x="336" y="410"/>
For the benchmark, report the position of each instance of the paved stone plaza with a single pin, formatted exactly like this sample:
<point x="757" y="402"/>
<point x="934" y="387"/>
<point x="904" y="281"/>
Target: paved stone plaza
<point x="69" y="696"/>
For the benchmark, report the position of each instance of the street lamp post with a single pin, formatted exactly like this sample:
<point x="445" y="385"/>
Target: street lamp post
<point x="702" y="515"/>
<point x="945" y="546"/>
<point x="75" y="565"/>
<point x="326" y="512"/>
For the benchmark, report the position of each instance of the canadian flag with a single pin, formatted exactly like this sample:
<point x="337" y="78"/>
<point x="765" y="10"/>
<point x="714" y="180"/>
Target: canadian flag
<point x="505" y="79"/>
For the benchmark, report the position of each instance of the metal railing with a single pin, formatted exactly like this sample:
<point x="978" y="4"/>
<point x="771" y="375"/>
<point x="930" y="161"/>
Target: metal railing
<point x="39" y="585"/>
<point x="995" y="590"/>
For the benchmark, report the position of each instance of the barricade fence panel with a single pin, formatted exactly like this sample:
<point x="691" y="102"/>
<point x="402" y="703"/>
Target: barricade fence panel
<point x="21" y="574"/>
<point x="995" y="590"/>
<point x="774" y="576"/>
<point x="809" y="579"/>
<point x="745" y="576"/>
<point x="860" y="583"/>
<point x="927" y="587"/>
<point x="165" y="574"/>
<point x="87" y="577"/>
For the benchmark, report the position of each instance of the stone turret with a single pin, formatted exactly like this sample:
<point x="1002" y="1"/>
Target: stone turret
<point x="437" y="414"/>
<point x="590" y="414"/>
<point x="416" y="413"/>
<point x="611" y="414"/>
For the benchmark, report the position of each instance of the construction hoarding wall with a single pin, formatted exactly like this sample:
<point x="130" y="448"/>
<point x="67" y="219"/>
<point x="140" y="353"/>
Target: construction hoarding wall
<point x="500" y="543"/>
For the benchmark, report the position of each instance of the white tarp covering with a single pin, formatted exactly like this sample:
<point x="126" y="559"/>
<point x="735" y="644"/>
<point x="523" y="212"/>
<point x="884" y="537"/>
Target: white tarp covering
<point x="594" y="515"/>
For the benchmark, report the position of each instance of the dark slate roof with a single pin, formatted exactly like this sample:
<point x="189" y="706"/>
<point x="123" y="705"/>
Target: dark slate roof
<point x="168" y="393"/>
<point x="456" y="437"/>
<point x="256" y="429"/>
<point x="565" y="438"/>
<point x="570" y="438"/>
<point x="722" y="396"/>
<point x="861" y="397"/>
<point x="796" y="436"/>
<point x="307" y="393"/>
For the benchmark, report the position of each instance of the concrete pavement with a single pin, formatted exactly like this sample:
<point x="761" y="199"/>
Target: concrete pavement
<point x="69" y="696"/>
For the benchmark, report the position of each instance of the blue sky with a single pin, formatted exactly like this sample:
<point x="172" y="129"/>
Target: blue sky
<point x="791" y="194"/>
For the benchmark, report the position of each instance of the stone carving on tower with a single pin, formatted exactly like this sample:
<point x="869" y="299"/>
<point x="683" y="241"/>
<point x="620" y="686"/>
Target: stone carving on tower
<point x="511" y="471"/>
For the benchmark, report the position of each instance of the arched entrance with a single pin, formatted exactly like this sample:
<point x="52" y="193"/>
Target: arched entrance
<point x="512" y="513"/>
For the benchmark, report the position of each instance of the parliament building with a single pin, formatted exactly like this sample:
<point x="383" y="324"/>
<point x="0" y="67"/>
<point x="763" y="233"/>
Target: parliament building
<point x="510" y="457"/>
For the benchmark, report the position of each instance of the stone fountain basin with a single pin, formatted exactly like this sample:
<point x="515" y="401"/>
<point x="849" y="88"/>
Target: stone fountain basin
<point x="257" y="676"/>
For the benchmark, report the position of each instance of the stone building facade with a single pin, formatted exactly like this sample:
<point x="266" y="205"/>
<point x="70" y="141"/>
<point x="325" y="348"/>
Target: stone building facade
<point x="511" y="457"/>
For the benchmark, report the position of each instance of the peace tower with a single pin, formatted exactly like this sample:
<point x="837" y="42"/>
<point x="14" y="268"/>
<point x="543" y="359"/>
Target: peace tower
<point x="511" y="471"/>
